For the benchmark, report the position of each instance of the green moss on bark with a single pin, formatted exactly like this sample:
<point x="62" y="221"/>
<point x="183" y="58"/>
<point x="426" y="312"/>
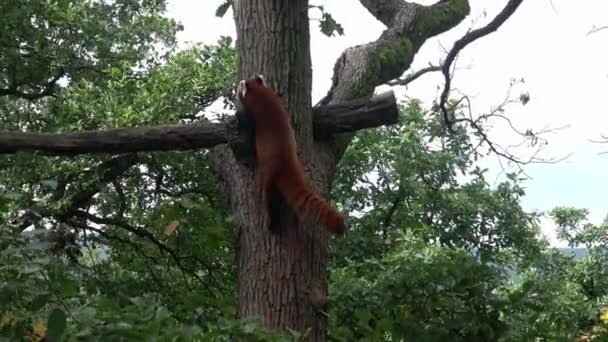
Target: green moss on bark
<point x="391" y="59"/>
<point x="439" y="18"/>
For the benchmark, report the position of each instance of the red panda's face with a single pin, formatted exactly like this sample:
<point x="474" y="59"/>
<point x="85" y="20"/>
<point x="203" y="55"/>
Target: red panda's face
<point x="255" y="91"/>
<point x="246" y="89"/>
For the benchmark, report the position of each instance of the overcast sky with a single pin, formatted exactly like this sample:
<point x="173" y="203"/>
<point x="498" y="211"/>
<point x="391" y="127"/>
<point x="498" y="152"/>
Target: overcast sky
<point x="545" y="42"/>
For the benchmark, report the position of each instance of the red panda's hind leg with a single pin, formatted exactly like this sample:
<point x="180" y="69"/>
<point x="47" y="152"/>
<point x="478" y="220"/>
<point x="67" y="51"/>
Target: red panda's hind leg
<point x="273" y="205"/>
<point x="271" y="197"/>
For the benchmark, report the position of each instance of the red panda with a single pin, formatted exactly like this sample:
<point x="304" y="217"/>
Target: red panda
<point x="280" y="170"/>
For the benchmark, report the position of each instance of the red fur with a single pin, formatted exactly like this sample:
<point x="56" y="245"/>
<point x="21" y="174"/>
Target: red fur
<point x="279" y="166"/>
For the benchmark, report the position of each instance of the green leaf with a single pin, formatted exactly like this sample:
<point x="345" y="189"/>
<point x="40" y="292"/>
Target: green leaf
<point x="329" y="25"/>
<point x="70" y="287"/>
<point x="39" y="302"/>
<point x="56" y="324"/>
<point x="363" y="316"/>
<point x="249" y="327"/>
<point x="186" y="202"/>
<point x="49" y="183"/>
<point x="15" y="196"/>
<point x="385" y="324"/>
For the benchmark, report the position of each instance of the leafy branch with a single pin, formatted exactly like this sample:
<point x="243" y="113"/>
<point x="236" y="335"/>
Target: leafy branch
<point x="327" y="24"/>
<point x="143" y="233"/>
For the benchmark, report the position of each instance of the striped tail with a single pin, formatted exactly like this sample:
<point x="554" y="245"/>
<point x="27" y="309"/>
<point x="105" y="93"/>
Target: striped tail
<point x="304" y="202"/>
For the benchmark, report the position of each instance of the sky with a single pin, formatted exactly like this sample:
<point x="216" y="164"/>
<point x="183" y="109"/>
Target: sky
<point x="546" y="42"/>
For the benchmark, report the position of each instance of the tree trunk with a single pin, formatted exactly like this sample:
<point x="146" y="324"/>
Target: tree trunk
<point x="282" y="275"/>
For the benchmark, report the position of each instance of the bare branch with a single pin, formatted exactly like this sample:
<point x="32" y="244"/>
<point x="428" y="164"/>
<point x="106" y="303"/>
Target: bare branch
<point x="460" y="44"/>
<point x="603" y="140"/>
<point x="136" y="247"/>
<point x="415" y="75"/>
<point x="595" y="29"/>
<point x="533" y="138"/>
<point x="328" y="120"/>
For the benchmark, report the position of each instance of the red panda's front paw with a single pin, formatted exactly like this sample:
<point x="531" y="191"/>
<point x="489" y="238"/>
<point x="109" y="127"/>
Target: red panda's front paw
<point x="241" y="89"/>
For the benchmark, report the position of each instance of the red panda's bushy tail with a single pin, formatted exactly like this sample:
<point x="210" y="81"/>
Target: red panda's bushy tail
<point x="305" y="202"/>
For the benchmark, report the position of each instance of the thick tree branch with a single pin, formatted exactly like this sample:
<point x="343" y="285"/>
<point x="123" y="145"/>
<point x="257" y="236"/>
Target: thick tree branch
<point x="363" y="67"/>
<point x="118" y="140"/>
<point x="385" y="11"/>
<point x="347" y="117"/>
<point x="409" y="25"/>
<point x="355" y="115"/>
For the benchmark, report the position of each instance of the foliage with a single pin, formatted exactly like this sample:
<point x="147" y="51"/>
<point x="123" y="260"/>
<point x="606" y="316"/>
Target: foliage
<point x="327" y="24"/>
<point x="48" y="296"/>
<point x="417" y="292"/>
<point x="591" y="271"/>
<point x="411" y="177"/>
<point x="432" y="248"/>
<point x="179" y="90"/>
<point x="43" y="41"/>
<point x="548" y="303"/>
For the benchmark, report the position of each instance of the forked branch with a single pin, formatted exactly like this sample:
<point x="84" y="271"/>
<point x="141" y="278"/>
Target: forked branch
<point x="461" y="43"/>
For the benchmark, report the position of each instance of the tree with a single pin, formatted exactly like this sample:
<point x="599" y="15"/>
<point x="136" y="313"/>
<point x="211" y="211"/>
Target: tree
<point x="427" y="256"/>
<point x="282" y="277"/>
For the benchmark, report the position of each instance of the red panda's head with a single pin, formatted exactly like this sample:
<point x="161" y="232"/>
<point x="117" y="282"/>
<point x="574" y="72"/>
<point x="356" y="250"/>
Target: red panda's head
<point x="250" y="92"/>
<point x="251" y="87"/>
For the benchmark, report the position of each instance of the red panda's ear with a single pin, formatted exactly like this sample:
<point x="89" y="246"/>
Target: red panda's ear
<point x="260" y="79"/>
